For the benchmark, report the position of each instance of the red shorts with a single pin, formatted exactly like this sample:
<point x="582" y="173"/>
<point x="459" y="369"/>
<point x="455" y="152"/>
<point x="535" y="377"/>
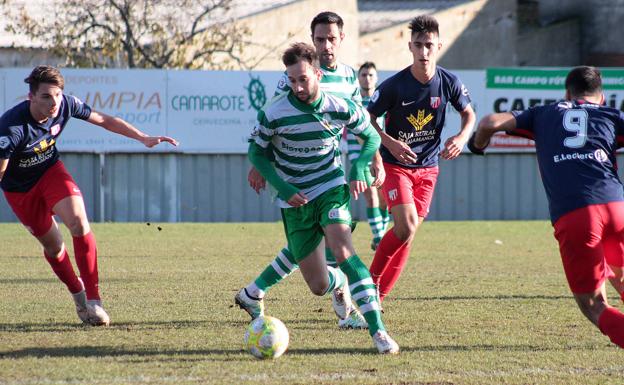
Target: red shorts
<point x="405" y="185"/>
<point x="34" y="207"/>
<point x="590" y="239"/>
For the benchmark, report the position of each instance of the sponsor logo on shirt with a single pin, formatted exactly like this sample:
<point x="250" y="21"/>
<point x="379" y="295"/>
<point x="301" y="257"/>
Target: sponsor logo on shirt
<point x="464" y="90"/>
<point x="44" y="145"/>
<point x="599" y="156"/>
<point x="4" y="142"/>
<point x="418" y="122"/>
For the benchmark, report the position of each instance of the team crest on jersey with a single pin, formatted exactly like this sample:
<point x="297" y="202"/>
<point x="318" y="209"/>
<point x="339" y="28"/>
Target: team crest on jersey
<point x="375" y="96"/>
<point x="255" y="131"/>
<point x="4" y="142"/>
<point x="326" y="121"/>
<point x="54" y="130"/>
<point x="434" y="101"/>
<point x="418" y="122"/>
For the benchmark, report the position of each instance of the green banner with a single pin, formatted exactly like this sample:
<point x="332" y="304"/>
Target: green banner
<point x="545" y="79"/>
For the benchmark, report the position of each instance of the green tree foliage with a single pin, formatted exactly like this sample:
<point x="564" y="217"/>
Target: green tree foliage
<point x="189" y="34"/>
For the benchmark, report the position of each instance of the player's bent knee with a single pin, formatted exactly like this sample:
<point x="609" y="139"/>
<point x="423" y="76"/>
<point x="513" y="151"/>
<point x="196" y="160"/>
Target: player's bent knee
<point x="78" y="226"/>
<point x="318" y="288"/>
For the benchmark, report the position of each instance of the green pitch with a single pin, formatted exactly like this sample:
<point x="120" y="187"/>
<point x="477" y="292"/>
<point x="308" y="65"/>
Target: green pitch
<point x="479" y="303"/>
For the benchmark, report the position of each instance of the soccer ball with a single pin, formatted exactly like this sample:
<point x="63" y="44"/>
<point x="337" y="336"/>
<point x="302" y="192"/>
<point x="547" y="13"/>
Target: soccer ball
<point x="266" y="337"/>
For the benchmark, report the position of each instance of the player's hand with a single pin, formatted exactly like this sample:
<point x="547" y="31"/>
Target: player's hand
<point x="357" y="187"/>
<point x="453" y="147"/>
<point x="378" y="171"/>
<point x="151" y="141"/>
<point x="256" y="180"/>
<point x="297" y="200"/>
<point x="401" y="151"/>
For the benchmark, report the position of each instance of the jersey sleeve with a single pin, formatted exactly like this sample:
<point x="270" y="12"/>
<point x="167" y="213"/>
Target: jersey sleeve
<point x="10" y="138"/>
<point x="78" y="108"/>
<point x="359" y="119"/>
<point x="524" y="123"/>
<point x="460" y="97"/>
<point x="262" y="132"/>
<point x="283" y="85"/>
<point x="383" y="98"/>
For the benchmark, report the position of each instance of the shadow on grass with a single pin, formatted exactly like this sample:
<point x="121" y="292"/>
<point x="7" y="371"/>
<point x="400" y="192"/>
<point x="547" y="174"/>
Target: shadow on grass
<point x="482" y="297"/>
<point x="169" y="355"/>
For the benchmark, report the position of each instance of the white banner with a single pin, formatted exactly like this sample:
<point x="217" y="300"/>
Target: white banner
<point x="214" y="111"/>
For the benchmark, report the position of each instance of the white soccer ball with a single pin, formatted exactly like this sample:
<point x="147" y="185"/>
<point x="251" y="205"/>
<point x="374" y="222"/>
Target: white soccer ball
<point x="266" y="337"/>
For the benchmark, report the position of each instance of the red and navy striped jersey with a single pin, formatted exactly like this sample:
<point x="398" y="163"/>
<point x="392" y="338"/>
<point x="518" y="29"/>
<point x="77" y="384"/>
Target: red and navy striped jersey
<point x="31" y="146"/>
<point x="575" y="143"/>
<point x="416" y="111"/>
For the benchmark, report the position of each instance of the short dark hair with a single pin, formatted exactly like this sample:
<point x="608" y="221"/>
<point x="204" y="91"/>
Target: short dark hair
<point x="424" y="24"/>
<point x="44" y="74"/>
<point x="298" y="52"/>
<point x="367" y="65"/>
<point x="326" y="17"/>
<point x="584" y="80"/>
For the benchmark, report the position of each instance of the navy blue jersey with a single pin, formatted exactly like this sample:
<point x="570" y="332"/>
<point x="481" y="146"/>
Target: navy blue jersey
<point x="575" y="144"/>
<point x="416" y="112"/>
<point x="31" y="146"/>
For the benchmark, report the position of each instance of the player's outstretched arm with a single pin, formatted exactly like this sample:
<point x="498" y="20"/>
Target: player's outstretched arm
<point x="120" y="126"/>
<point x="455" y="144"/>
<point x="488" y="126"/>
<point x="370" y="145"/>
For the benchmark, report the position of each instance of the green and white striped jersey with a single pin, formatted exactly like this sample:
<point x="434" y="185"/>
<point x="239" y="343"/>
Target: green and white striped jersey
<point x="353" y="146"/>
<point x="305" y="139"/>
<point x="341" y="81"/>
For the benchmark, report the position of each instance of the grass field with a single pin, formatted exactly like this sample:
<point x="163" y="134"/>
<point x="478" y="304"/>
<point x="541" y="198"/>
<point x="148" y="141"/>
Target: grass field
<point x="479" y="303"/>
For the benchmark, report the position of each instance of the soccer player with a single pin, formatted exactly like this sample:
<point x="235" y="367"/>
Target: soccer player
<point x="37" y="185"/>
<point x="340" y="80"/>
<point x="301" y="129"/>
<point x="414" y="101"/>
<point x="575" y="142"/>
<point x="376" y="209"/>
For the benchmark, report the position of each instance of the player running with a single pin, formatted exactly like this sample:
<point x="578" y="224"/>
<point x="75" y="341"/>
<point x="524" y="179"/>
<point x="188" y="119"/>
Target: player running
<point x="575" y="142"/>
<point x="296" y="149"/>
<point x="340" y="80"/>
<point x="415" y="102"/>
<point x="37" y="185"/>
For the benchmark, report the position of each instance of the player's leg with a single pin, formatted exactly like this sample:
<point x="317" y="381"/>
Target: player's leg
<point x="407" y="222"/>
<point x="335" y="220"/>
<point x="64" y="198"/>
<point x="385" y="214"/>
<point x="398" y="193"/>
<point x="32" y="211"/>
<point x="613" y="245"/>
<point x="580" y="234"/>
<point x="374" y="216"/>
<point x="250" y="298"/>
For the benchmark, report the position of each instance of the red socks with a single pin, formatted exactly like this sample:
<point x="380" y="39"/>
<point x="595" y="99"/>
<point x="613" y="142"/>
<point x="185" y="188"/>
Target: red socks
<point x="86" y="259"/>
<point x="390" y="258"/>
<point x="63" y="269"/>
<point x="611" y="323"/>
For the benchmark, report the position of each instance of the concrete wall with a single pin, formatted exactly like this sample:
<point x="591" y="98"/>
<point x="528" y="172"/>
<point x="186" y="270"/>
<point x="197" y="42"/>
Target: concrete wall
<point x="475" y="35"/>
<point x="213" y="188"/>
<point x="536" y="46"/>
<point x="273" y="31"/>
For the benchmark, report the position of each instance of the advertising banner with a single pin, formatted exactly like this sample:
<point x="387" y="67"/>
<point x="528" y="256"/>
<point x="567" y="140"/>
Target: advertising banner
<point x="510" y="89"/>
